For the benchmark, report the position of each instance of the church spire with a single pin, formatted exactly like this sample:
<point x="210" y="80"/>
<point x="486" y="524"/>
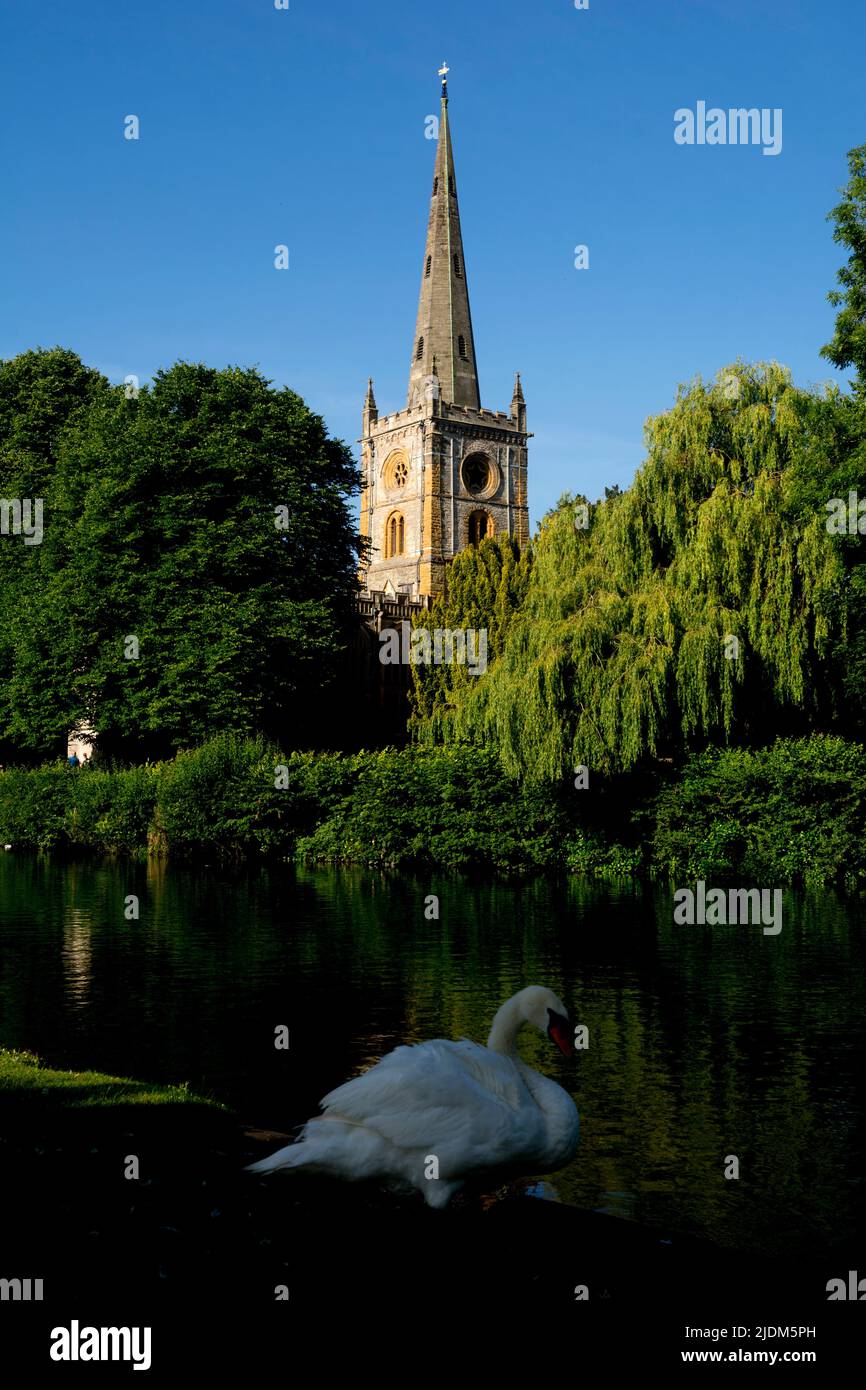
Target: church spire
<point x="518" y="404"/>
<point x="444" y="326"/>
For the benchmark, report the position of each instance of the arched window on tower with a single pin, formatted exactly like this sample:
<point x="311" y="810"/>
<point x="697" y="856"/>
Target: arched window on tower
<point x="479" y="527"/>
<point x="461" y="348"/>
<point x="420" y="352"/>
<point x="394" y="535"/>
<point x="429" y="264"/>
<point x="435" y="186"/>
<point x="457" y="271"/>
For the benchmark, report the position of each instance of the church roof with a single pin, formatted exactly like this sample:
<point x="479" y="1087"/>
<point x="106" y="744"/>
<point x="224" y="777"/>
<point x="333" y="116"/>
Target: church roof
<point x="444" y="326"/>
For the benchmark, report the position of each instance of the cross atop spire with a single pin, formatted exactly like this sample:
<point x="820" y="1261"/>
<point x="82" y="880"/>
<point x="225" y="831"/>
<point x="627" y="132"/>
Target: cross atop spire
<point x="444" y="324"/>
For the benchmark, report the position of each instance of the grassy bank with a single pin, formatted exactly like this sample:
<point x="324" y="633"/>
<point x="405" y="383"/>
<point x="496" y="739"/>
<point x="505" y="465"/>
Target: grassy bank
<point x="790" y="813"/>
<point x="24" y="1079"/>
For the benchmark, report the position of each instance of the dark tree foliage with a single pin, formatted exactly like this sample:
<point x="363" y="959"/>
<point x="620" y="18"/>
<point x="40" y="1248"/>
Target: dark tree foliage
<point x="40" y="392"/>
<point x="848" y="346"/>
<point x="196" y="571"/>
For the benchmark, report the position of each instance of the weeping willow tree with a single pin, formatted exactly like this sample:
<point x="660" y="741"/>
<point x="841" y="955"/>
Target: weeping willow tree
<point x="700" y="606"/>
<point x="486" y="586"/>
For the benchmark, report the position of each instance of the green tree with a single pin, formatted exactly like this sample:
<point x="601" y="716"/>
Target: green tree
<point x="208" y="520"/>
<point x="485" y="586"/>
<point x="848" y="346"/>
<point x="831" y="466"/>
<point x="40" y="392"/>
<point x="700" y="606"/>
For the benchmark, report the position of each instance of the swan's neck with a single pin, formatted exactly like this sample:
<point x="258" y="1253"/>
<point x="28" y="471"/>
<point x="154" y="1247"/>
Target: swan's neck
<point x="555" y="1104"/>
<point x="506" y="1025"/>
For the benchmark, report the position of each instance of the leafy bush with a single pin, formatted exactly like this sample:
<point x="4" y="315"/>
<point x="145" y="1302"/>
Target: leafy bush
<point x="110" y="810"/>
<point x="793" y="812"/>
<point x="33" y="804"/>
<point x="447" y="806"/>
<point x="587" y="853"/>
<point x="221" y="797"/>
<point x="790" y="813"/>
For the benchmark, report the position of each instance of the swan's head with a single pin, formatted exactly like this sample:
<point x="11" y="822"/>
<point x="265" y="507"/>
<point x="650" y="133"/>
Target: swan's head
<point x="540" y="1007"/>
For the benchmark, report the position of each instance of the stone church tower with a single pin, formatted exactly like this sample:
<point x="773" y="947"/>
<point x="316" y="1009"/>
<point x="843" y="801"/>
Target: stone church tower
<point x="443" y="473"/>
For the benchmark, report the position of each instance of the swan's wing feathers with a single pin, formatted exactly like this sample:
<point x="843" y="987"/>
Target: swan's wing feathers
<point x="497" y="1074"/>
<point x="437" y="1096"/>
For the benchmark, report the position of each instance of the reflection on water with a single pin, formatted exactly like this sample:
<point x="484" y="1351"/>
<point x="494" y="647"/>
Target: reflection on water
<point x="77" y="956"/>
<point x="704" y="1042"/>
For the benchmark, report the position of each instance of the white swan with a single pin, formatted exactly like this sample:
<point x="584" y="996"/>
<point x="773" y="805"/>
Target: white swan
<point x="472" y="1109"/>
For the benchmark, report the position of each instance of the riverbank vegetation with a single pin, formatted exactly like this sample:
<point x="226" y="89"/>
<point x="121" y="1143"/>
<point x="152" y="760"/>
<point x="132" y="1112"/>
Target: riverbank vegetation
<point x="792" y="812"/>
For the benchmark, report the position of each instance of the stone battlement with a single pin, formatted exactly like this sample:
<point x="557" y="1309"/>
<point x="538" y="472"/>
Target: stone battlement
<point x="445" y="411"/>
<point x="374" y="603"/>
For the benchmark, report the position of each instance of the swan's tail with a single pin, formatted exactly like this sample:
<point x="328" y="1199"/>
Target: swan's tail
<point x="292" y="1156"/>
<point x="330" y="1145"/>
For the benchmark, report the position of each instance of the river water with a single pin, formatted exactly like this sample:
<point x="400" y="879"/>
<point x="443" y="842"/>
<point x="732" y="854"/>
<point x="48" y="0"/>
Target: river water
<point x="704" y="1042"/>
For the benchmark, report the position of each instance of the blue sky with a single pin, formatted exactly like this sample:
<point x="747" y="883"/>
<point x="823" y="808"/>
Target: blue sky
<point x="307" y="127"/>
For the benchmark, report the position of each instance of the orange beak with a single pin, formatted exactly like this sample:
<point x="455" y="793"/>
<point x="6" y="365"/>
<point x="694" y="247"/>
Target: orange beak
<point x="559" y="1032"/>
